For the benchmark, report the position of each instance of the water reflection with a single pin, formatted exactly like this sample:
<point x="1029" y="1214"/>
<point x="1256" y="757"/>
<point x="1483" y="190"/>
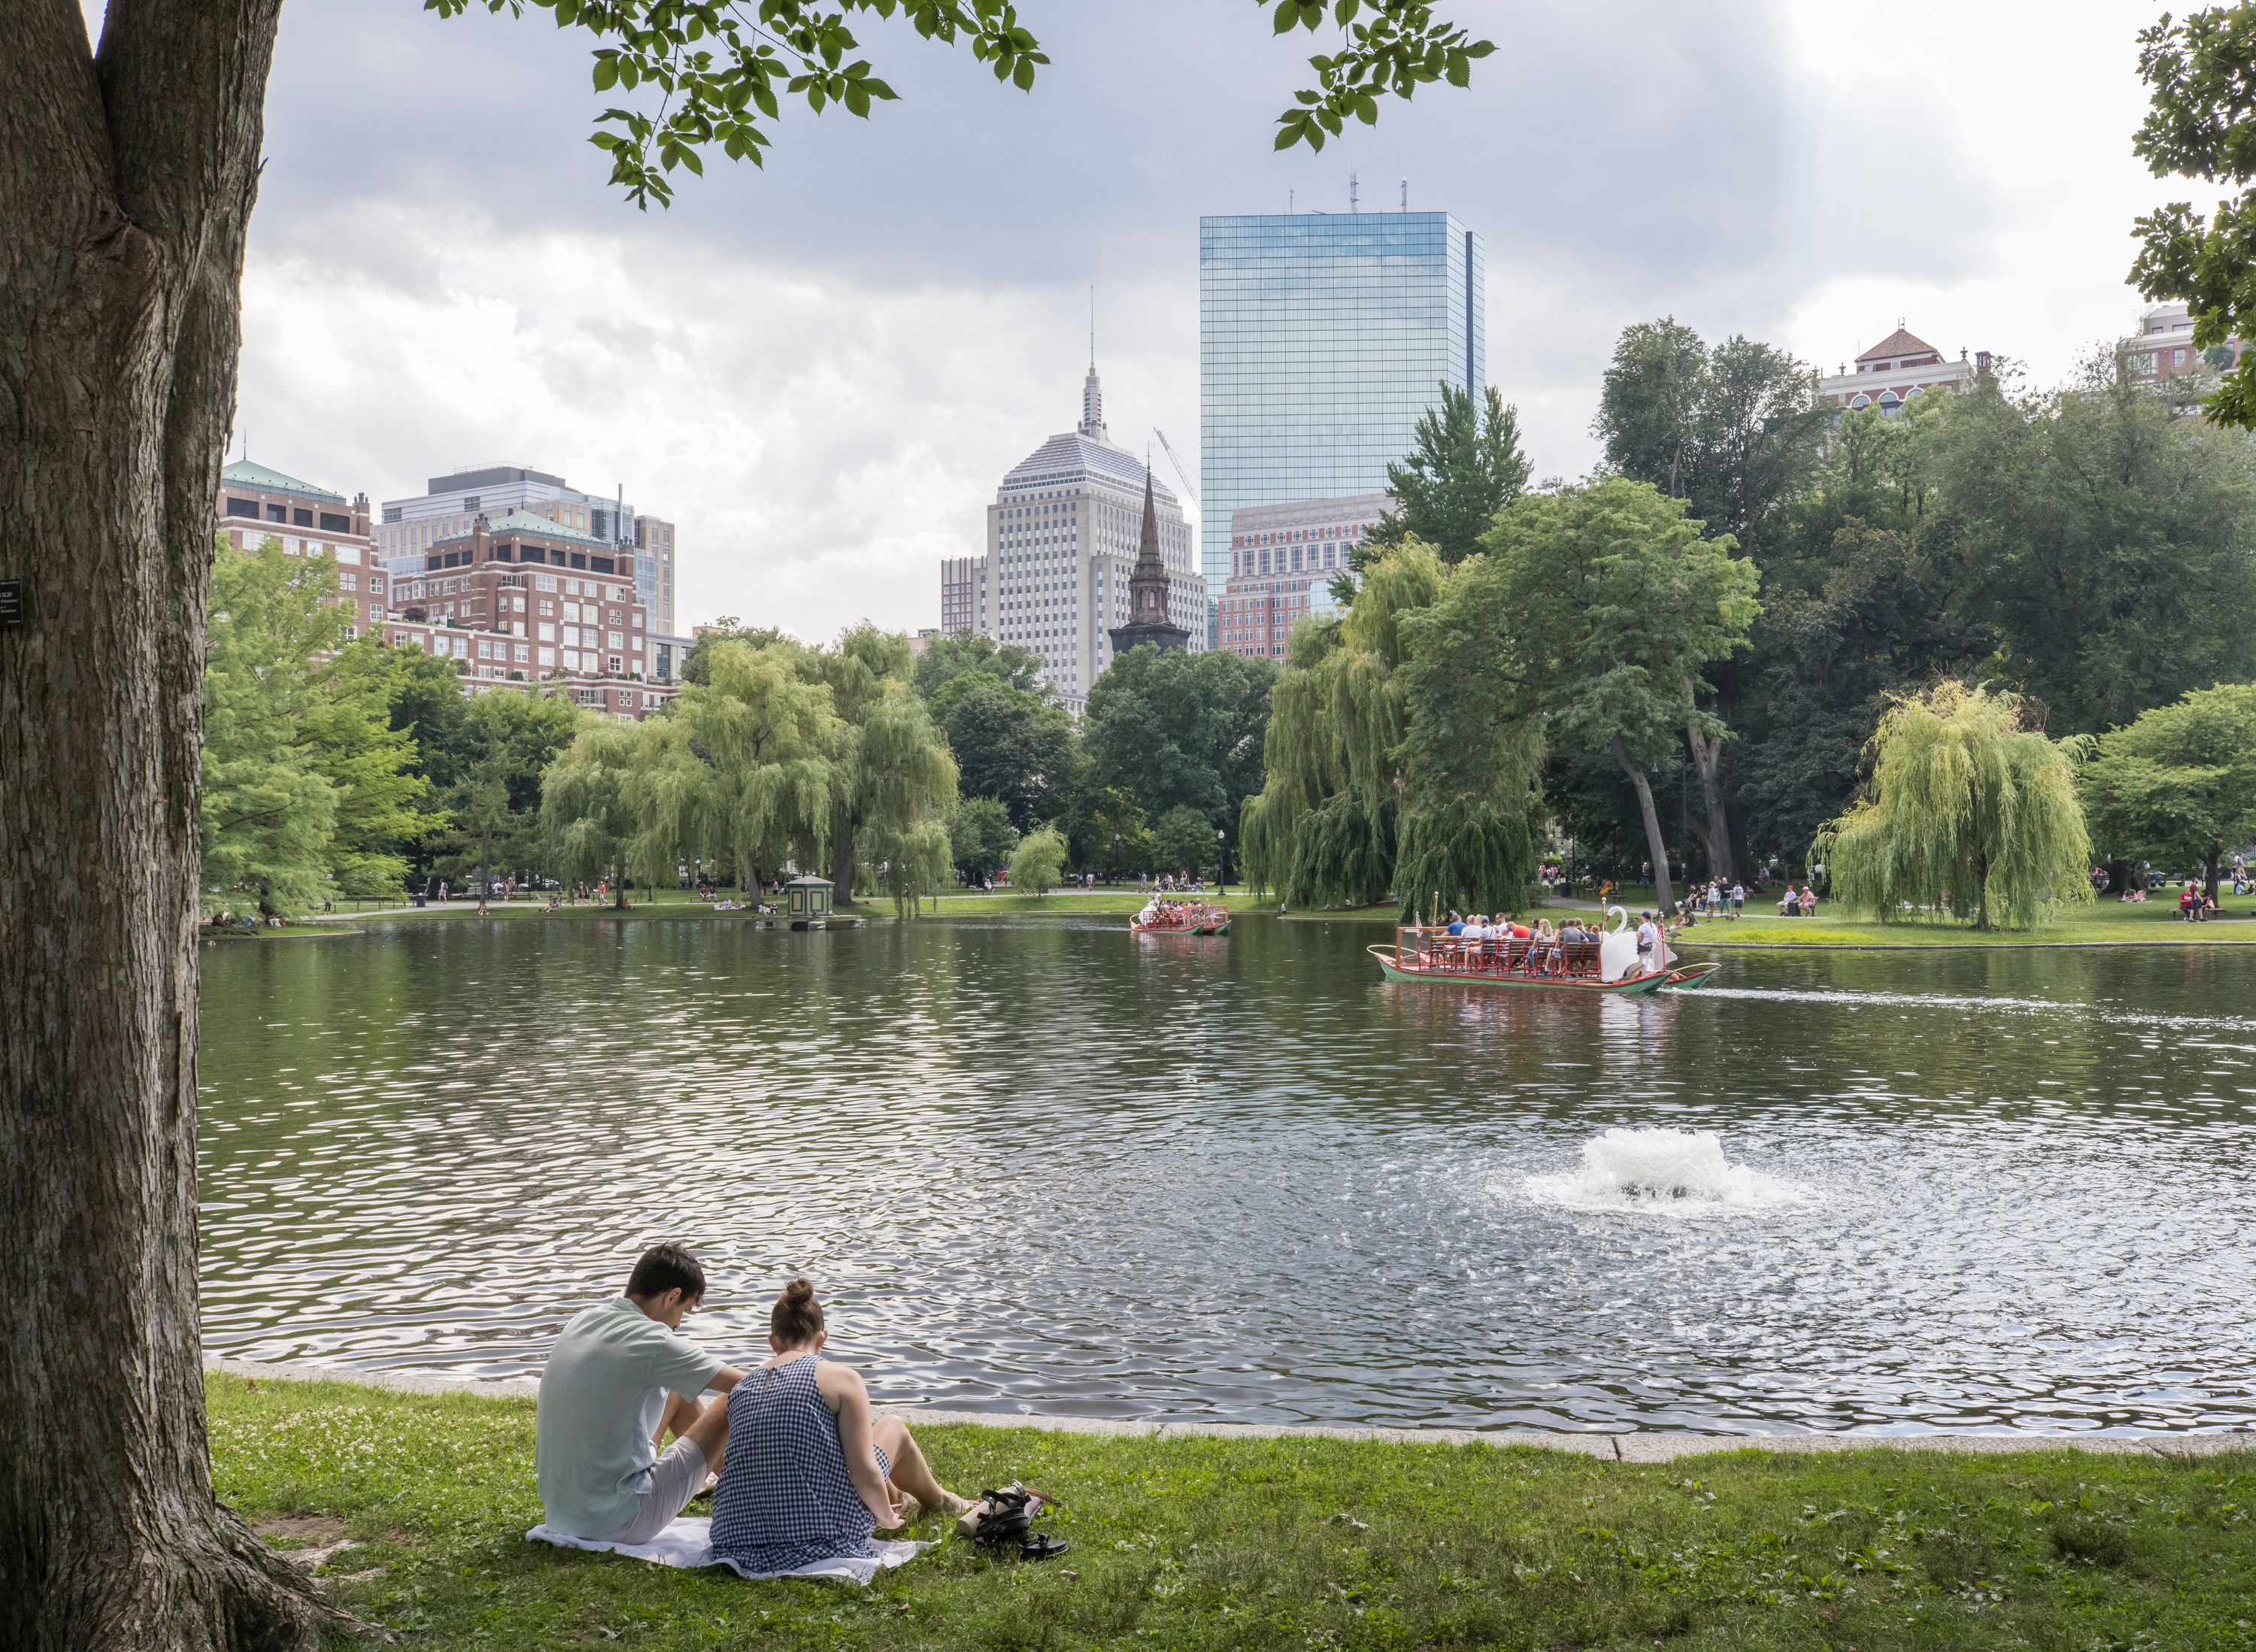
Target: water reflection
<point x="1043" y="1166"/>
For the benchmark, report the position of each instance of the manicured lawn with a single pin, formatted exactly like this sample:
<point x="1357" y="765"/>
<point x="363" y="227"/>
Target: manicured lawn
<point x="2156" y="923"/>
<point x="1192" y="1543"/>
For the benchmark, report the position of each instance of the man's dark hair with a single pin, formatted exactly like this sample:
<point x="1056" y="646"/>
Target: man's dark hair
<point x="664" y="1268"/>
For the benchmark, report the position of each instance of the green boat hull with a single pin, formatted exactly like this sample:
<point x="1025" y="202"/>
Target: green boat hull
<point x="1632" y="987"/>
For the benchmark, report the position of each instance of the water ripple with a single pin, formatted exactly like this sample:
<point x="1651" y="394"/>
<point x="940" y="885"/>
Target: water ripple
<point x="1038" y="1165"/>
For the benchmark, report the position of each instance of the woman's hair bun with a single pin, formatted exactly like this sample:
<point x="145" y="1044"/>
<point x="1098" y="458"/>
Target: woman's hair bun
<point x="796" y="1317"/>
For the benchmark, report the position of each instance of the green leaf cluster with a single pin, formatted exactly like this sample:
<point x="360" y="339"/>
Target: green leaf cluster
<point x="2177" y="785"/>
<point x="308" y="790"/>
<point x="714" y="74"/>
<point x="1970" y="810"/>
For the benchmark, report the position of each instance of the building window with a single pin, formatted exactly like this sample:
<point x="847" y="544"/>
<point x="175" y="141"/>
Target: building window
<point x="276" y="513"/>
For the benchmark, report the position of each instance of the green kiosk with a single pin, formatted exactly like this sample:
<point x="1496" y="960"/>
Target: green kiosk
<point x="807" y="901"/>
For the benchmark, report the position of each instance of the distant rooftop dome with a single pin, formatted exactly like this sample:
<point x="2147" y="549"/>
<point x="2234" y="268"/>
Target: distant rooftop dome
<point x="1897" y="344"/>
<point x="1063" y="458"/>
<point x="245" y="474"/>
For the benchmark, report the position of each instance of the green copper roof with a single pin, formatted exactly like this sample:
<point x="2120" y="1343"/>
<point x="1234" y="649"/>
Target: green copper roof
<point x="245" y="474"/>
<point x="528" y="522"/>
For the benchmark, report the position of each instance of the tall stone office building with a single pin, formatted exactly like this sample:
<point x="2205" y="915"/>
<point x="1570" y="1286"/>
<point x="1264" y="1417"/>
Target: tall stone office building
<point x="1322" y="338"/>
<point x="1063" y="537"/>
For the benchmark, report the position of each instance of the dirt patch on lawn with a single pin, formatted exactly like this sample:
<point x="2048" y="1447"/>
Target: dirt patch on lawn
<point x="301" y="1529"/>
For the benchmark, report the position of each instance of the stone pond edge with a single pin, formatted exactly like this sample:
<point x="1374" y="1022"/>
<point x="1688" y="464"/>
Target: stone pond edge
<point x="1622" y="1448"/>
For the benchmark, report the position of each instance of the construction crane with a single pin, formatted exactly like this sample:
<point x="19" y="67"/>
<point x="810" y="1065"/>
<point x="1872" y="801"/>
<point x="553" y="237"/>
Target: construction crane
<point x="1182" y="474"/>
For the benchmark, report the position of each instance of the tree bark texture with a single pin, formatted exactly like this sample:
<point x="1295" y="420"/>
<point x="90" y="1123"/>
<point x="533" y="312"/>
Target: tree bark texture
<point x="1708" y="762"/>
<point x="126" y="182"/>
<point x="1713" y="827"/>
<point x="1655" y="845"/>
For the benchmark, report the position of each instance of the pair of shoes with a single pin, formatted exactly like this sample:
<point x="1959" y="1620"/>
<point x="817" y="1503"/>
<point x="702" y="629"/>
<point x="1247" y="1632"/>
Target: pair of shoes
<point x="1001" y="1520"/>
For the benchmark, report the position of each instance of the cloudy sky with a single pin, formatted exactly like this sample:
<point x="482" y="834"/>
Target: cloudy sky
<point x="821" y="370"/>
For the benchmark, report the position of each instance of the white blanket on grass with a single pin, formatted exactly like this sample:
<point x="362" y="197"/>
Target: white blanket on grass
<point x="688" y="1542"/>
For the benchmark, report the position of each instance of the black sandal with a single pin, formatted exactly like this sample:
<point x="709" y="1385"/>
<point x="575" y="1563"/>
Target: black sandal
<point x="1004" y="1519"/>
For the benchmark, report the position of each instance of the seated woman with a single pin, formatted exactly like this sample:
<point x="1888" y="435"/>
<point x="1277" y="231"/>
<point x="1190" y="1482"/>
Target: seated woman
<point x="809" y="1475"/>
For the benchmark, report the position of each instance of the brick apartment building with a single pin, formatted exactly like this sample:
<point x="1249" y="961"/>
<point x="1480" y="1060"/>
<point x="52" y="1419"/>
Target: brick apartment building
<point x="257" y="503"/>
<point x="1283" y="559"/>
<point x="528" y="600"/>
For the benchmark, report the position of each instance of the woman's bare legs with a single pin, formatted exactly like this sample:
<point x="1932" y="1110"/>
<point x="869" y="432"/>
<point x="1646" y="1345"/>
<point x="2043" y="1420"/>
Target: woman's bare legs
<point x="911" y="1472"/>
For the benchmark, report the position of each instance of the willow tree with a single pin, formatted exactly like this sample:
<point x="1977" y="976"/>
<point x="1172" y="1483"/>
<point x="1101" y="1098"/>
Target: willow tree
<point x="766" y="734"/>
<point x="1610" y="606"/>
<point x="890" y="774"/>
<point x="1472" y="752"/>
<point x="905" y="786"/>
<point x="589" y="807"/>
<point x="128" y="173"/>
<point x="1968" y="809"/>
<point x="1322" y="829"/>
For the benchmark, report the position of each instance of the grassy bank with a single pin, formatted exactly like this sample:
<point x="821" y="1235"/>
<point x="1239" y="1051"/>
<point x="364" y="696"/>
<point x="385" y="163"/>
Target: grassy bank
<point x="2105" y="923"/>
<point x="1294" y="1543"/>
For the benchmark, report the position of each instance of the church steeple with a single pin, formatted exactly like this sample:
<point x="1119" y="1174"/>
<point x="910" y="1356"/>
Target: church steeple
<point x="1148" y="620"/>
<point x="1092" y="394"/>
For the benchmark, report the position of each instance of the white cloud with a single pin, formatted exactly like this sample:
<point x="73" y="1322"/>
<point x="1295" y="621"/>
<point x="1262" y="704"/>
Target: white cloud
<point x="821" y="370"/>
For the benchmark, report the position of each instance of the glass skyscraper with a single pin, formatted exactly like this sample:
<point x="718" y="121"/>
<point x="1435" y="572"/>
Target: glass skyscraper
<point x="1322" y="338"/>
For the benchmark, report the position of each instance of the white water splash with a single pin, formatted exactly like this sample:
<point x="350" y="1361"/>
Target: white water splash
<point x="1667" y="1172"/>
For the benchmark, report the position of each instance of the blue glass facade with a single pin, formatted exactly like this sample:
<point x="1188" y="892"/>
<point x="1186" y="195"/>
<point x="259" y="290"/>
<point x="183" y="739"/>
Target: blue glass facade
<point x="1322" y="338"/>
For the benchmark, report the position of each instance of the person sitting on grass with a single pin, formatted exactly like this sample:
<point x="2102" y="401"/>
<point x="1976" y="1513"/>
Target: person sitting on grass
<point x="811" y="1475"/>
<point x="620" y="1378"/>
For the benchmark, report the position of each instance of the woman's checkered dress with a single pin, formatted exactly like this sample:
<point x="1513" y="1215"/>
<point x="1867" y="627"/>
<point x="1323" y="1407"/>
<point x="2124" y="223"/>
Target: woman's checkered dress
<point x="785" y="1499"/>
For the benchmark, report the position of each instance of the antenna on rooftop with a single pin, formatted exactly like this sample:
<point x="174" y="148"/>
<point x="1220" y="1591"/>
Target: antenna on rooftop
<point x="1092" y="326"/>
<point x="1288" y="201"/>
<point x="1350" y="192"/>
<point x="1405" y="194"/>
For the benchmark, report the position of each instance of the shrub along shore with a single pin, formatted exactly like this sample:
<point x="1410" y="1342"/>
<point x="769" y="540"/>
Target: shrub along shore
<point x="412" y="1507"/>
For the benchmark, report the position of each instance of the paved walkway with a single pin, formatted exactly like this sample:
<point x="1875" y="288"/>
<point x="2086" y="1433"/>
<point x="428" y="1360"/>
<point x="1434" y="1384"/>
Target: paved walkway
<point x="1621" y="1447"/>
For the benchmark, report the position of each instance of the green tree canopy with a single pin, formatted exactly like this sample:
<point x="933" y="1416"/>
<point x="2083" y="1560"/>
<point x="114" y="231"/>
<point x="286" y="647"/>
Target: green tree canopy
<point x="966" y="654"/>
<point x="1009" y="743"/>
<point x="2105" y="544"/>
<point x="1616" y="606"/>
<point x="1733" y="431"/>
<point x="1322" y="828"/>
<point x="1183" y="840"/>
<point x="309" y="789"/>
<point x="697" y="664"/>
<point x="1465" y="465"/>
<point x="269" y="812"/>
<point x="2199" y="69"/>
<point x="508" y="737"/>
<point x="383" y="806"/>
<point x="980" y="836"/>
<point x="1037" y="861"/>
<point x="1178" y="729"/>
<point x="766" y="733"/>
<point x="2178" y="785"/>
<point x="1968" y="809"/>
<point x="890" y="774"/>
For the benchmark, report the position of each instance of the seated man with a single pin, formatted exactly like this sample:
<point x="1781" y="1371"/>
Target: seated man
<point x="620" y="1378"/>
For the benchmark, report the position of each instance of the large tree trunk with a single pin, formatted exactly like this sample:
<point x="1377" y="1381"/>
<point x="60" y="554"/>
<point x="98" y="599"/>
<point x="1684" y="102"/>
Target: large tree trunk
<point x="842" y="860"/>
<point x="1654" y="844"/>
<point x="1707" y="758"/>
<point x="126" y="182"/>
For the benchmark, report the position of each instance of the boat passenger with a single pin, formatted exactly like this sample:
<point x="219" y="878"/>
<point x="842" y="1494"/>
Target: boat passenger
<point x="1648" y="943"/>
<point x="1570" y="936"/>
<point x="1544" y="953"/>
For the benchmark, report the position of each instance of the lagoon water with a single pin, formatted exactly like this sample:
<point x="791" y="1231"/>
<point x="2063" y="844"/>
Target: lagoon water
<point x="1040" y="1165"/>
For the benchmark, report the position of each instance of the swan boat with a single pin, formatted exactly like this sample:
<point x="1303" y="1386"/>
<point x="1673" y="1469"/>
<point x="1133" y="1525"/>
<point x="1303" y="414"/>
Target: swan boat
<point x="1184" y="918"/>
<point x="1607" y="965"/>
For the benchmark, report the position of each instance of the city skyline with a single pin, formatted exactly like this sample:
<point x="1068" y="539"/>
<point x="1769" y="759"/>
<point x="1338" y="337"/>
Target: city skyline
<point x="824" y="415"/>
